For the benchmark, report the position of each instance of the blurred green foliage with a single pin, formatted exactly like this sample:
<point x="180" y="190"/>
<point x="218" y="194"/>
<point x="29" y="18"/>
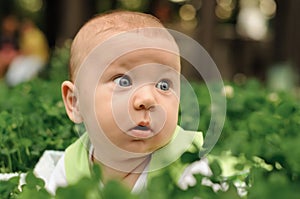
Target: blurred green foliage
<point x="33" y="119"/>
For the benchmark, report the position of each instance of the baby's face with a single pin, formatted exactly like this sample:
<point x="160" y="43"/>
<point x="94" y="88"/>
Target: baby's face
<point x="137" y="100"/>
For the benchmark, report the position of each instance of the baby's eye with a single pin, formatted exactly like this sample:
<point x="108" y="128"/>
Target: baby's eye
<point x="163" y="85"/>
<point x="123" y="81"/>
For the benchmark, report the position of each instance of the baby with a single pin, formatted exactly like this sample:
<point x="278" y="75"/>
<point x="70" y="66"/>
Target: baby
<point x="125" y="88"/>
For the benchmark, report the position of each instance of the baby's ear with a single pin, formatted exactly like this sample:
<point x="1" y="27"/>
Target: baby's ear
<point x="70" y="99"/>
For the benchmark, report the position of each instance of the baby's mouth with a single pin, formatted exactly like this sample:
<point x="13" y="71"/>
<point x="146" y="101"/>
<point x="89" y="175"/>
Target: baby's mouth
<point x="141" y="132"/>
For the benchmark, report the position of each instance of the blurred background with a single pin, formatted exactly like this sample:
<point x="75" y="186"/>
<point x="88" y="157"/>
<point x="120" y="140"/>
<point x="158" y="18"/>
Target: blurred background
<point x="254" y="43"/>
<point x="246" y="38"/>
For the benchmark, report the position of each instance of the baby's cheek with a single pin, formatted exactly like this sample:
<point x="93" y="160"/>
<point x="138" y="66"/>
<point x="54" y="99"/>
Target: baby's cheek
<point x="173" y="110"/>
<point x="169" y="130"/>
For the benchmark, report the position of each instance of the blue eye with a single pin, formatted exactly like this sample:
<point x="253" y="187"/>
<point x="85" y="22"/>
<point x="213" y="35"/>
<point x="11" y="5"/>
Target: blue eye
<point x="123" y="81"/>
<point x="163" y="85"/>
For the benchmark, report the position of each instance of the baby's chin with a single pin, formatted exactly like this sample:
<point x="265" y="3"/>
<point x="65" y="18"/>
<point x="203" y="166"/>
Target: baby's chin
<point x="143" y="146"/>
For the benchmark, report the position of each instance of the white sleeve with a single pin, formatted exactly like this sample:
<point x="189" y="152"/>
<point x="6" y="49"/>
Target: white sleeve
<point x="58" y="177"/>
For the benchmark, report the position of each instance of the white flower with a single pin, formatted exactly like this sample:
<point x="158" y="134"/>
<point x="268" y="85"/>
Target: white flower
<point x="228" y="91"/>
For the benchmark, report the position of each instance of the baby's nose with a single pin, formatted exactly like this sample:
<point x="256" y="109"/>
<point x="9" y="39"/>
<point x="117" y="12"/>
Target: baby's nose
<point x="144" y="98"/>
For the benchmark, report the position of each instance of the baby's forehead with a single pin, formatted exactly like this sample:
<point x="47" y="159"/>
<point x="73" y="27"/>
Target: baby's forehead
<point x="124" y="58"/>
<point x="144" y="66"/>
<point x="147" y="56"/>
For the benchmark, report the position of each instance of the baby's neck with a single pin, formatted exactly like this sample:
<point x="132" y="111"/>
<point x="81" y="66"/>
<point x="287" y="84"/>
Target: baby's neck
<point x="128" y="178"/>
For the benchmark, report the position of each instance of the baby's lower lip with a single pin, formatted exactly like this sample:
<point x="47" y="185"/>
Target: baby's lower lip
<point x="141" y="133"/>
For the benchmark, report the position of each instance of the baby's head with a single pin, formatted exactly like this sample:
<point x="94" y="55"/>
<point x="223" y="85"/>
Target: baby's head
<point x="105" y="26"/>
<point x="125" y="79"/>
